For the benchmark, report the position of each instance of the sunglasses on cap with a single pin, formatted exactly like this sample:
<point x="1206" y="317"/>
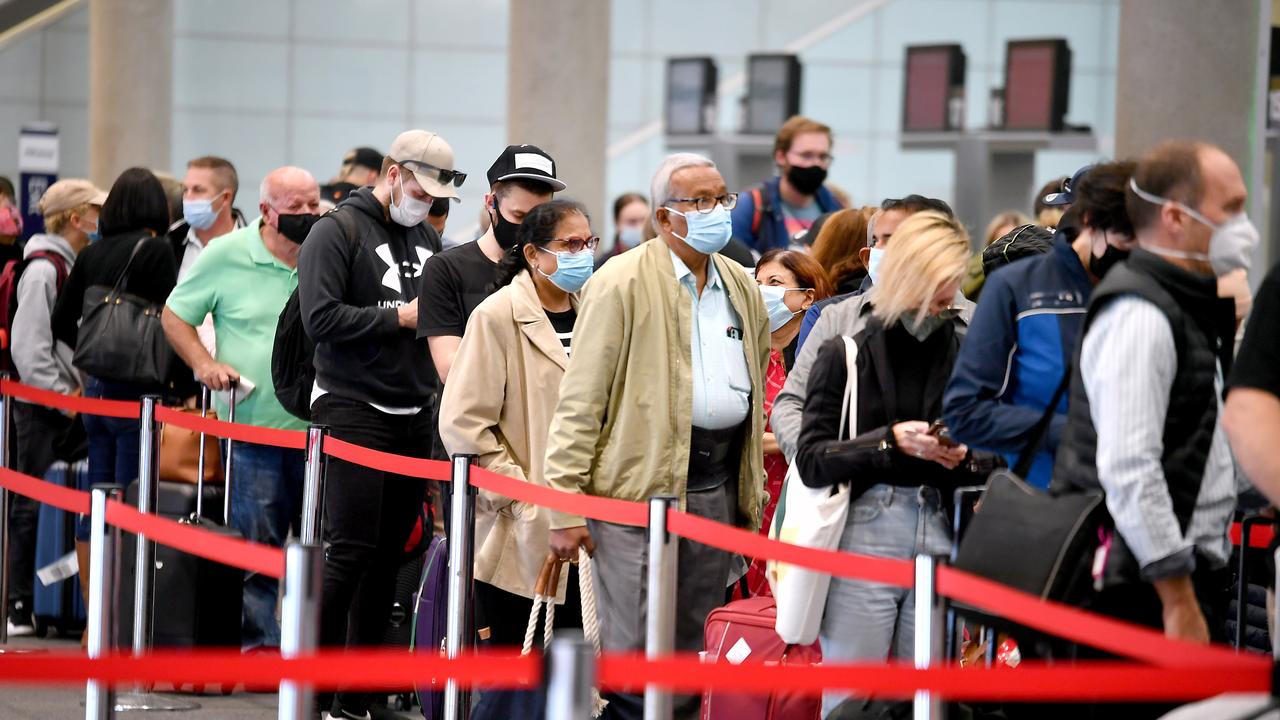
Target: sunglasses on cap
<point x="442" y="176"/>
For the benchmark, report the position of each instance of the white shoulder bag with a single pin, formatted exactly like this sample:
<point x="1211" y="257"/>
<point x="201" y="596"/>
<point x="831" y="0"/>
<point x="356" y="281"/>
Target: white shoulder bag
<point x="811" y="517"/>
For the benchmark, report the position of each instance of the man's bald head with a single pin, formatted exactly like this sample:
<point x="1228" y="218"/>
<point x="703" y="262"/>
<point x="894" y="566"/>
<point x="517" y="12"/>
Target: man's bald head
<point x="290" y="190"/>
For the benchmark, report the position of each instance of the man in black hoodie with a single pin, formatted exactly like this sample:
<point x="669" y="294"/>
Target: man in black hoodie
<point x="357" y="289"/>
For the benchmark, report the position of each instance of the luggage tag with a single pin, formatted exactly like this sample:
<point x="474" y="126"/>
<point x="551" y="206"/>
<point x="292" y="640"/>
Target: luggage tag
<point x="1100" y="557"/>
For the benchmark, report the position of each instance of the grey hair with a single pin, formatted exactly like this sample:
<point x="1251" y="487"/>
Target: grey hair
<point x="660" y="186"/>
<point x="272" y="181"/>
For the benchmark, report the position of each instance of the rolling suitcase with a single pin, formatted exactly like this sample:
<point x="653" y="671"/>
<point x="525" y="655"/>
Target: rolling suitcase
<point x="429" y="617"/>
<point x="743" y="632"/>
<point x="59" y="605"/>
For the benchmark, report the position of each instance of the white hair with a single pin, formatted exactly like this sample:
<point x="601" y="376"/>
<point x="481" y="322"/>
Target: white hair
<point x="274" y="179"/>
<point x="660" y="186"/>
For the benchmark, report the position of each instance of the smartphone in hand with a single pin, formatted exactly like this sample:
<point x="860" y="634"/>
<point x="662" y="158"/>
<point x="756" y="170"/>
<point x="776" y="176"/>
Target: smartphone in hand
<point x="942" y="434"/>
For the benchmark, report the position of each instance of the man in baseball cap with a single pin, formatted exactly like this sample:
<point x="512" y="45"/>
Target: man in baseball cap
<point x="360" y="166"/>
<point x="70" y="209"/>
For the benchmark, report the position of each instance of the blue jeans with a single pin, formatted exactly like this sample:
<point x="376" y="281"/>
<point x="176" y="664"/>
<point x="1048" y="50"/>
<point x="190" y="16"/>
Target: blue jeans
<point x="266" y="497"/>
<point x="869" y="621"/>
<point x="113" y="445"/>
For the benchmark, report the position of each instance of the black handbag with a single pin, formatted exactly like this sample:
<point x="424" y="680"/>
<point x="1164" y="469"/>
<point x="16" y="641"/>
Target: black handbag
<point x="1028" y="539"/>
<point x="120" y="338"/>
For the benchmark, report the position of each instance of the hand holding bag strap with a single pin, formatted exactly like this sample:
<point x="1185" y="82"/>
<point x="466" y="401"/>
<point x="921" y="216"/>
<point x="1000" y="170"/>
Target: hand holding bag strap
<point x="1040" y="430"/>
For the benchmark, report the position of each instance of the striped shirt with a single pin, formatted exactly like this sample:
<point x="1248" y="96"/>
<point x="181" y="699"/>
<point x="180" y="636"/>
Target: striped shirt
<point x="562" y="323"/>
<point x="1128" y="361"/>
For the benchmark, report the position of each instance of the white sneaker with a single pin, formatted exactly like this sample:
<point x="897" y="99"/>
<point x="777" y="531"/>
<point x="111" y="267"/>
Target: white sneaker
<point x="21" y="630"/>
<point x="343" y="715"/>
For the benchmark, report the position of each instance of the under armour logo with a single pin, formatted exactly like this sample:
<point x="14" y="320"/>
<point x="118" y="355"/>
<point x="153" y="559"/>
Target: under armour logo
<point x="391" y="278"/>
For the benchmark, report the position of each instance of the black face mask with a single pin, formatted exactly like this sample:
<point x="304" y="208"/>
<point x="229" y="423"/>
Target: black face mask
<point x="295" y="227"/>
<point x="807" y="179"/>
<point x="503" y="229"/>
<point x="1099" y="265"/>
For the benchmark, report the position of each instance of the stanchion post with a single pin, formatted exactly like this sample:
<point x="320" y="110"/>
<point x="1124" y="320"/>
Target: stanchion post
<point x="458" y="628"/>
<point x="148" y="491"/>
<point x="570" y="675"/>
<point x="104" y="563"/>
<point x="6" y="438"/>
<point x="660" y="624"/>
<point x="300" y="623"/>
<point x="313" y="489"/>
<point x="928" y="633"/>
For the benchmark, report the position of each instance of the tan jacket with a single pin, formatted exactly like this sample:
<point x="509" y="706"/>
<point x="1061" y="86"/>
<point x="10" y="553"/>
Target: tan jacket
<point x="497" y="405"/>
<point x="623" y="425"/>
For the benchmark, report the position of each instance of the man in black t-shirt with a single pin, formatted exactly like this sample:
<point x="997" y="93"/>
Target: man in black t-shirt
<point x="1252" y="412"/>
<point x="454" y="282"/>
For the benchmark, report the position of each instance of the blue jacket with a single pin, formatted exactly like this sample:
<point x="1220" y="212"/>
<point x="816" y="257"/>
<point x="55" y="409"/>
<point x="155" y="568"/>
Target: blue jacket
<point x="1022" y="339"/>
<point x="773" y="229"/>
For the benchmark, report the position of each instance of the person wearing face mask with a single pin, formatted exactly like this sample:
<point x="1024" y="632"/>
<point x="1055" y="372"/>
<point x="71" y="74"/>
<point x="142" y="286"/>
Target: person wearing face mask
<point x="498" y="405"/>
<point x="208" y="190"/>
<point x="70" y="209"/>
<point x="779" y="211"/>
<point x="1027" y="325"/>
<point x="358" y="275"/>
<point x="1144" y="422"/>
<point x="902" y="474"/>
<point x="630" y="213"/>
<point x="790" y="282"/>
<point x="243" y="282"/>
<point x="664" y="395"/>
<point x="459" y="279"/>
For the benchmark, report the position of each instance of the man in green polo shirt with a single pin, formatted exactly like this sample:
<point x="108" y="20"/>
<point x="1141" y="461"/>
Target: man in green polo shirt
<point x="243" y="281"/>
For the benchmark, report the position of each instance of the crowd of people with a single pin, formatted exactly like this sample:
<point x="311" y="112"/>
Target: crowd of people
<point x="703" y="352"/>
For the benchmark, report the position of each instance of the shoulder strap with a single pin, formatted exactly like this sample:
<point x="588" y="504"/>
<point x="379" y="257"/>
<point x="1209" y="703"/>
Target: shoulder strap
<point x="124" y="274"/>
<point x="59" y="265"/>
<point x="757" y="210"/>
<point x="1041" y="429"/>
<point x="849" y="408"/>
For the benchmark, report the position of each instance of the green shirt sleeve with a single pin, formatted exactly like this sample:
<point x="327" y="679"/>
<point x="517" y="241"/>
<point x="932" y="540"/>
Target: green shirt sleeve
<point x="196" y="295"/>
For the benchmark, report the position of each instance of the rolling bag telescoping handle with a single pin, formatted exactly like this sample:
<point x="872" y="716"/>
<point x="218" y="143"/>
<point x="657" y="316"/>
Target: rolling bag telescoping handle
<point x="198" y="515"/>
<point x="226" y="471"/>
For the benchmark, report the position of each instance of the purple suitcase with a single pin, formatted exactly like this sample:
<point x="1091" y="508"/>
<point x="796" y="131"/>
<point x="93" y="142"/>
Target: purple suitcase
<point x="429" y="617"/>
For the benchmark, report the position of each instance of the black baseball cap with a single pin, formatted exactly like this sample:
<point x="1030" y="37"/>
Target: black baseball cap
<point x="364" y="157"/>
<point x="1066" y="195"/>
<point x="526" y="162"/>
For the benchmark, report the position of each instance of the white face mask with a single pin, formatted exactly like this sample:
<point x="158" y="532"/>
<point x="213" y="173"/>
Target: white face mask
<point x="1231" y="245"/>
<point x="411" y="211"/>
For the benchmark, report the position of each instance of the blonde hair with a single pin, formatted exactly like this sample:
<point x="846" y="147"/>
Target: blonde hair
<point x="1004" y="219"/>
<point x="928" y="251"/>
<point x="56" y="222"/>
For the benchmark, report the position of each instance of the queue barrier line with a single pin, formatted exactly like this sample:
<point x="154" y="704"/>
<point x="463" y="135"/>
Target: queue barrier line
<point x="1259" y="536"/>
<point x="437" y="470"/>
<point x="1071" y="623"/>
<point x="381" y="669"/>
<point x="276" y="437"/>
<point x="127" y="409"/>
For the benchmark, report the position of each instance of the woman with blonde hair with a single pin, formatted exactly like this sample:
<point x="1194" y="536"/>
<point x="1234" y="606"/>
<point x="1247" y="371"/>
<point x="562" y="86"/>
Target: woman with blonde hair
<point x="902" y="468"/>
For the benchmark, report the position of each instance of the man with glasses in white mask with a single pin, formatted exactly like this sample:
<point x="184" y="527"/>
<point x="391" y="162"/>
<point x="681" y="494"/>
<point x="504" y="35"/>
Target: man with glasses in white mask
<point x="1144" y="422"/>
<point x="663" y="396"/>
<point x="358" y="274"/>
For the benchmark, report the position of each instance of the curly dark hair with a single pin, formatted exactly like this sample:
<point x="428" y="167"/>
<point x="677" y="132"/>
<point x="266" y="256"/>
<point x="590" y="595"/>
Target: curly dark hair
<point x="538" y="228"/>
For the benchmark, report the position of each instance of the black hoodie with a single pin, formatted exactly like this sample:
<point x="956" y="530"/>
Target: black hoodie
<point x="348" y="292"/>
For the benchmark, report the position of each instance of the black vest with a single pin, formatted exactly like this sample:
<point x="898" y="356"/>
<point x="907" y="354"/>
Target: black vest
<point x="1203" y="332"/>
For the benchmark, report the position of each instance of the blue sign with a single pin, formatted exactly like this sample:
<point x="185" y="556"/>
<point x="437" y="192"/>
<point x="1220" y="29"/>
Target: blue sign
<point x="37" y="170"/>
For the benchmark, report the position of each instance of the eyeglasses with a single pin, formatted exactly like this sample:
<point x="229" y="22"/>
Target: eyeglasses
<point x="705" y="205"/>
<point x="815" y="158"/>
<point x="576" y="245"/>
<point x="442" y="176"/>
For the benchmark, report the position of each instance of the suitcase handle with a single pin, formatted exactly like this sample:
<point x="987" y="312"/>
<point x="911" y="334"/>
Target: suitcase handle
<point x="196" y="517"/>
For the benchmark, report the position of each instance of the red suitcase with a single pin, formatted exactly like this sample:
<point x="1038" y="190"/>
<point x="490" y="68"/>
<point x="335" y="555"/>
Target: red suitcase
<point x="742" y="631"/>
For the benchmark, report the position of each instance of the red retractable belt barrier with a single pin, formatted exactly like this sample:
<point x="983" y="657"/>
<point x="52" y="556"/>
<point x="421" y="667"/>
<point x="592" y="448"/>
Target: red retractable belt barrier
<point x="64" y="498"/>
<point x="128" y="409"/>
<point x="612" y="510"/>
<point x="243" y="554"/>
<point x="290" y="439"/>
<point x="1260" y="536"/>
<point x="438" y="470"/>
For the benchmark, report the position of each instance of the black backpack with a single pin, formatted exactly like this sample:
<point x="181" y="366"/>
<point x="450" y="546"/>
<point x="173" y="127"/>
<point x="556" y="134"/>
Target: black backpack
<point x="293" y="369"/>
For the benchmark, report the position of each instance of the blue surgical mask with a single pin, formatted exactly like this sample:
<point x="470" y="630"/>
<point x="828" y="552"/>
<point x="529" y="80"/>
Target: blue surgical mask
<point x="199" y="214"/>
<point x="629" y="237"/>
<point x="873" y="264"/>
<point x="708" y="232"/>
<point x="573" y="270"/>
<point x="775" y="304"/>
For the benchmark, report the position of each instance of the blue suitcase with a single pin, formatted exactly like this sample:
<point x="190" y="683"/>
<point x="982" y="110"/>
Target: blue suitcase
<point x="58" y="606"/>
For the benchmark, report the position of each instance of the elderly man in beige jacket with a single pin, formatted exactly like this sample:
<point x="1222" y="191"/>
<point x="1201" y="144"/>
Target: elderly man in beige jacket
<point x="664" y="395"/>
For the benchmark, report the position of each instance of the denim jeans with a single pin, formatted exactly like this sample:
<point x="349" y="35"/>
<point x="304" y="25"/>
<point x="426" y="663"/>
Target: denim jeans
<point x="266" y="497"/>
<point x="113" y="445"/>
<point x="35" y="429"/>
<point x="870" y="621"/>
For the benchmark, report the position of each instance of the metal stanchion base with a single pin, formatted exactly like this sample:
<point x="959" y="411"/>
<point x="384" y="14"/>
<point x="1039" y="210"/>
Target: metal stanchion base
<point x="22" y="651"/>
<point x="151" y="702"/>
